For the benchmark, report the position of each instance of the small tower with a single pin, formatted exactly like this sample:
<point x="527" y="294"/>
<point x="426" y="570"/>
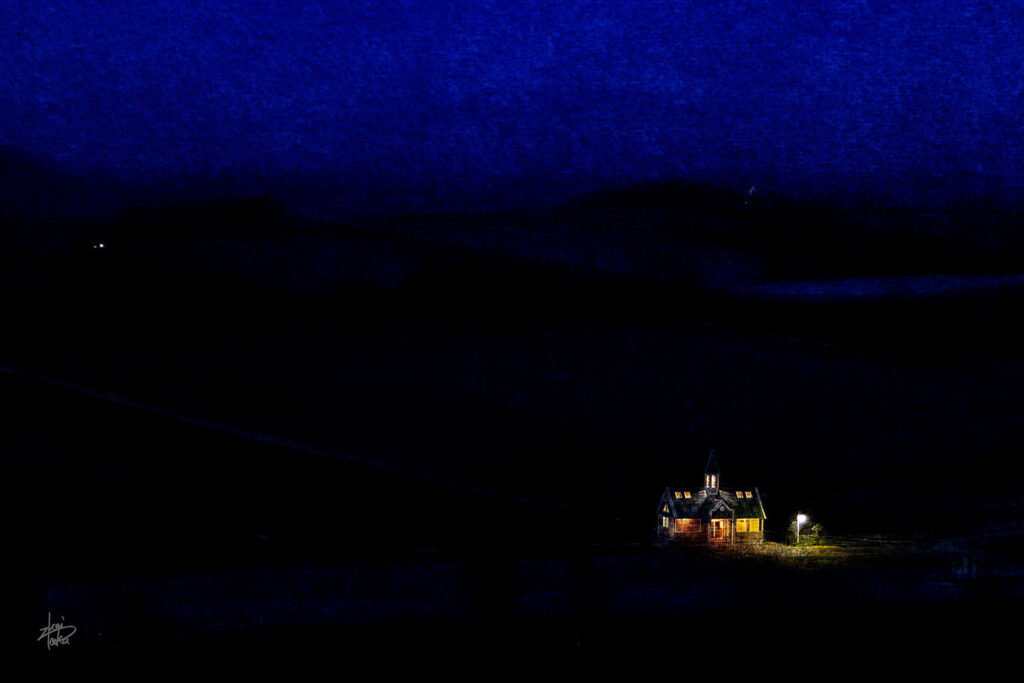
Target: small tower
<point x="712" y="476"/>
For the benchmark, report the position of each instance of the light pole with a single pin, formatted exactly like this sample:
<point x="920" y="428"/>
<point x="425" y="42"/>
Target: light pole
<point x="801" y="519"/>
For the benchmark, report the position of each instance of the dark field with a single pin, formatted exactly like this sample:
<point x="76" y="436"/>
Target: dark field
<point x="259" y="438"/>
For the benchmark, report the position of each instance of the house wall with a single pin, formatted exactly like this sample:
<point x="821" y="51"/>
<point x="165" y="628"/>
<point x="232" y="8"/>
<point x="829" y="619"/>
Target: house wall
<point x="749" y="537"/>
<point x="662" y="530"/>
<point x="701" y="537"/>
<point x="690" y="537"/>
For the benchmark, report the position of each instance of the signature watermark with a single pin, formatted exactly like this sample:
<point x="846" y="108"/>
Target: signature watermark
<point x="56" y="634"/>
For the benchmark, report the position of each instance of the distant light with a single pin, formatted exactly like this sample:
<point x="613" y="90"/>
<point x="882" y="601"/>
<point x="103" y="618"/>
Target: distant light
<point x="102" y="245"/>
<point x="801" y="520"/>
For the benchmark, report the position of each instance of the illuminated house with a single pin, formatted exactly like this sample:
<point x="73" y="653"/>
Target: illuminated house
<point x="711" y="514"/>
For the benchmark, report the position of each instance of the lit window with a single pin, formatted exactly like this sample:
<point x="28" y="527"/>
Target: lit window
<point x="678" y="495"/>
<point x="745" y="525"/>
<point x="749" y="495"/>
<point x="687" y="526"/>
<point x="664" y="522"/>
<point x="739" y="494"/>
<point x="686" y="494"/>
<point x="665" y="509"/>
<point x="714" y="481"/>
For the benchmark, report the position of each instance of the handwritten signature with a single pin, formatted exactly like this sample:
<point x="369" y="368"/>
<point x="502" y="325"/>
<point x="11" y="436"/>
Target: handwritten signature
<point x="56" y="634"/>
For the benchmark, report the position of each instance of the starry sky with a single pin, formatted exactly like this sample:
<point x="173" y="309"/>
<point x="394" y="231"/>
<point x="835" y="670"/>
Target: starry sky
<point x="486" y="103"/>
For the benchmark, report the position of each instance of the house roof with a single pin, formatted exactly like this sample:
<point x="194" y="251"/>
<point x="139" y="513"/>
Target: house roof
<point x="723" y="504"/>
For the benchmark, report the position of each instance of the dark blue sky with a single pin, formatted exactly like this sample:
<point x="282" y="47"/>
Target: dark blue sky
<point x="482" y="103"/>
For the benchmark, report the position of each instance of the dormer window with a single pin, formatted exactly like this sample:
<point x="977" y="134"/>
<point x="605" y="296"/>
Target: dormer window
<point x="748" y="495"/>
<point x="739" y="494"/>
<point x="678" y="495"/>
<point x="686" y="494"/>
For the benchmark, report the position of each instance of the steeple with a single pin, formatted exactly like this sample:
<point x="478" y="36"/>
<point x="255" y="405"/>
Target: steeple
<point x="712" y="475"/>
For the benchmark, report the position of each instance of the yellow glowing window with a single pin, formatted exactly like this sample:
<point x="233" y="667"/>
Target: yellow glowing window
<point x="686" y="494"/>
<point x="686" y="526"/>
<point x="739" y="494"/>
<point x="678" y="494"/>
<point x="665" y="509"/>
<point x="749" y="495"/>
<point x="664" y="522"/>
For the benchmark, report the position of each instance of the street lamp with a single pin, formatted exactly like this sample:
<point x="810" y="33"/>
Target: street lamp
<point x="801" y="519"/>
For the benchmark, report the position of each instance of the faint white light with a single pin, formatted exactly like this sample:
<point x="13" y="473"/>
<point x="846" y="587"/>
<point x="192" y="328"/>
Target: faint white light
<point x="101" y="245"/>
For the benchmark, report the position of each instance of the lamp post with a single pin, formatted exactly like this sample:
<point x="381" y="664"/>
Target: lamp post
<point x="801" y="519"/>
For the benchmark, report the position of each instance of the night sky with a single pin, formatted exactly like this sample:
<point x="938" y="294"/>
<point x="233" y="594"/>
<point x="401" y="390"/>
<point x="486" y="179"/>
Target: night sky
<point x="478" y="104"/>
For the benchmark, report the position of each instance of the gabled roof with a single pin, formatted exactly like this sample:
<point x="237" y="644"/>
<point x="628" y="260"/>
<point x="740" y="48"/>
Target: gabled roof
<point x="700" y="504"/>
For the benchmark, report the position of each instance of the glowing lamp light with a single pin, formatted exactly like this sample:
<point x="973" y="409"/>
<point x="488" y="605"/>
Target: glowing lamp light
<point x="801" y="519"/>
